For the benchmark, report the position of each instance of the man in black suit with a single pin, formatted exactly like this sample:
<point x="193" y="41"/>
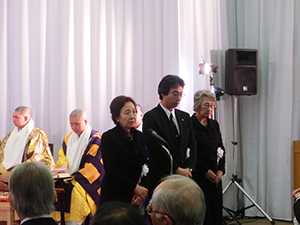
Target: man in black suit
<point x="296" y="195"/>
<point x="32" y="193"/>
<point x="175" y="127"/>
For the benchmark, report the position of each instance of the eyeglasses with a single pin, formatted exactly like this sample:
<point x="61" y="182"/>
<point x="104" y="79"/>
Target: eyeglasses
<point x="207" y="105"/>
<point x="149" y="211"/>
<point x="176" y="94"/>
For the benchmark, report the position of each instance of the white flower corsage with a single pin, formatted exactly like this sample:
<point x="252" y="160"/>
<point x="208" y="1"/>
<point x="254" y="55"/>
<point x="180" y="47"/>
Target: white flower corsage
<point x="220" y="154"/>
<point x="145" y="170"/>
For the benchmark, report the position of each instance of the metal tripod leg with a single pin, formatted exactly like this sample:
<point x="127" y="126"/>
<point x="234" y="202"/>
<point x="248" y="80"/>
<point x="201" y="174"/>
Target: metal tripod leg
<point x="228" y="185"/>
<point x="230" y="212"/>
<point x="254" y="203"/>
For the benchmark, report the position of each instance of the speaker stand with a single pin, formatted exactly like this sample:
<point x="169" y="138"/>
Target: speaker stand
<point x="235" y="180"/>
<point x="234" y="214"/>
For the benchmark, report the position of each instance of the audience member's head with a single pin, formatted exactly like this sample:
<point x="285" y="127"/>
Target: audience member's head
<point x="31" y="189"/>
<point x="117" y="213"/>
<point x="139" y="116"/>
<point x="168" y="82"/>
<point x="177" y="200"/>
<point x="78" y="121"/>
<point x="21" y="116"/>
<point x="117" y="104"/>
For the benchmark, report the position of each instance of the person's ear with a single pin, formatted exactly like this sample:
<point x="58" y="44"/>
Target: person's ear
<point x="167" y="220"/>
<point x="26" y="118"/>
<point x="10" y="200"/>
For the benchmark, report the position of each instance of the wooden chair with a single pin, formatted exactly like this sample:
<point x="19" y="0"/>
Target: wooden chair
<point x="7" y="213"/>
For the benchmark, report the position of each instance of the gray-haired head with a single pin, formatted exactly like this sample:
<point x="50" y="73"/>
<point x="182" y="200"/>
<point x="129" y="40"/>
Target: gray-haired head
<point x="181" y="199"/>
<point x="23" y="110"/>
<point x="198" y="98"/>
<point x="31" y="189"/>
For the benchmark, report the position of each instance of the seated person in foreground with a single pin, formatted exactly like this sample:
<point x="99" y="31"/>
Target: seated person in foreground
<point x="118" y="213"/>
<point x="296" y="195"/>
<point x="32" y="193"/>
<point x="177" y="200"/>
<point x="80" y="156"/>
<point x="26" y="143"/>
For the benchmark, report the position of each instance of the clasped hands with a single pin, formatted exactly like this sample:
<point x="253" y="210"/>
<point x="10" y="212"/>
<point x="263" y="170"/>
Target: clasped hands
<point x="140" y="193"/>
<point x="214" y="178"/>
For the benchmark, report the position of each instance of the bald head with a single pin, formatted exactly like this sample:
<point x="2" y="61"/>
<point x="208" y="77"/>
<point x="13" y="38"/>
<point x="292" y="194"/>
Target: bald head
<point x="23" y="110"/>
<point x="78" y="121"/>
<point x="78" y="113"/>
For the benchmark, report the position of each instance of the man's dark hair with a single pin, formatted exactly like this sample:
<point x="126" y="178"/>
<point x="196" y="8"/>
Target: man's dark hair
<point x="118" y="213"/>
<point x="167" y="83"/>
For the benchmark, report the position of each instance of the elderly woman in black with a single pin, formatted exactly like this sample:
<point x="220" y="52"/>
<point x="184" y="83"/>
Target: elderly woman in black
<point x="210" y="165"/>
<point x="124" y="156"/>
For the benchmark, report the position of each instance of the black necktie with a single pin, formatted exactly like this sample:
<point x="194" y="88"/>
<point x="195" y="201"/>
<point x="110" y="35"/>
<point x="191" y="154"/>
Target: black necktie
<point x="174" y="128"/>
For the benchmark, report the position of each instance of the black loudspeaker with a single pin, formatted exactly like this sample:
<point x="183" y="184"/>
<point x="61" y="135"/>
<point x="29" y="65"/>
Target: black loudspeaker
<point x="241" y="72"/>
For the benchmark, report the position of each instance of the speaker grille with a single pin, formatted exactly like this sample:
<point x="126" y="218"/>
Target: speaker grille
<point x="245" y="81"/>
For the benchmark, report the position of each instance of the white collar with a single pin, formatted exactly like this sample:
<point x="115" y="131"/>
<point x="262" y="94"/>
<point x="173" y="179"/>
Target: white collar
<point x="32" y="218"/>
<point x="168" y="112"/>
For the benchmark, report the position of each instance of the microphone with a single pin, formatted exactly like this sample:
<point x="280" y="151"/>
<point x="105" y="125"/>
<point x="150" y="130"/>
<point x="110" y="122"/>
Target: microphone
<point x="156" y="135"/>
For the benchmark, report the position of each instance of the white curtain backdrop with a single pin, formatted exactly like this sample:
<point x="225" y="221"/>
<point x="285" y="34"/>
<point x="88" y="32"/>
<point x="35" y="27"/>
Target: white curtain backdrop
<point x="58" y="55"/>
<point x="266" y="120"/>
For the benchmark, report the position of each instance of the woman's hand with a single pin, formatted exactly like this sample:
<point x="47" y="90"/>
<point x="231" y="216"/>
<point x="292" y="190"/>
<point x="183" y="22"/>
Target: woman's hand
<point x="141" y="191"/>
<point x="219" y="175"/>
<point x="136" y="200"/>
<point x="211" y="176"/>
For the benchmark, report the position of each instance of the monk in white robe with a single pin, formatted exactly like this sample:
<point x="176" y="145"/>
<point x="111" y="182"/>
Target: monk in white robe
<point x="26" y="143"/>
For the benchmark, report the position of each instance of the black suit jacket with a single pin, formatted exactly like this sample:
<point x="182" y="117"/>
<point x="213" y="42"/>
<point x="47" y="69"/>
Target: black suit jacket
<point x="297" y="210"/>
<point x="40" y="221"/>
<point x="157" y="120"/>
